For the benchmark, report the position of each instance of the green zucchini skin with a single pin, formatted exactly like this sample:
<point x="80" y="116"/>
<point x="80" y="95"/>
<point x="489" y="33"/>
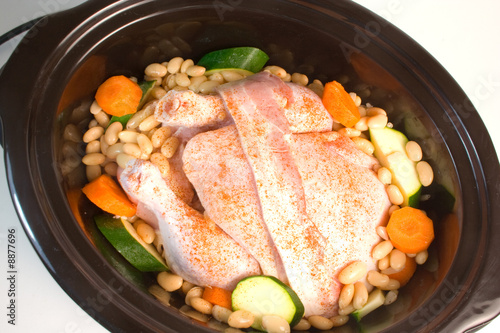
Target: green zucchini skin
<point x="391" y="152"/>
<point x="122" y="235"/>
<point x="246" y="58"/>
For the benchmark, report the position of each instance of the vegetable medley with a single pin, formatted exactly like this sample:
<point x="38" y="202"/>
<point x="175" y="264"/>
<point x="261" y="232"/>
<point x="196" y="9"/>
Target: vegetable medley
<point x="125" y="128"/>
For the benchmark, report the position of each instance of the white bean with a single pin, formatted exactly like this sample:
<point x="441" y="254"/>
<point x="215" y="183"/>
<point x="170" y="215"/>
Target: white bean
<point x="276" y="70"/>
<point x="217" y="77"/>
<point x="148" y="124"/>
<point x="201" y="305"/>
<point x="132" y="149"/>
<point x="168" y="281"/>
<point x="122" y="160"/>
<point x="208" y="87"/>
<point x="128" y="136"/>
<point x="413" y="151"/>
<point x="299" y="78"/>
<point x="92" y="172"/>
<point x="353" y="272"/>
<point x="155" y="70"/>
<point x="364" y="145"/>
<point x="377" y="279"/>
<point x="378" y="121"/>
<point x="95" y="108"/>
<point x="362" y="124"/>
<point x="384" y="175"/>
<point x="391" y="297"/>
<point x="302" y="325"/>
<point x="145" y="145"/>
<point x="196" y="82"/>
<point x="382" y="232"/>
<point x="421" y="257"/>
<point x="93" y="159"/>
<point x="241" y="319"/>
<point x="339" y="320"/>
<point x="382" y="249"/>
<point x="162" y="163"/>
<point x="93" y="147"/>
<point x="182" y="79"/>
<point x="395" y="195"/>
<point x="230" y="76"/>
<point x="392" y="285"/>
<point x="360" y="295"/>
<point x="146" y="232"/>
<point x="102" y="118"/>
<point x="275" y="324"/>
<point x="193" y="292"/>
<point x="347" y="310"/>
<point x="160" y="136"/>
<point x="195" y="71"/>
<point x="93" y="134"/>
<point x="158" y="92"/>
<point x="174" y="65"/>
<point x="320" y="322"/>
<point x="425" y="173"/>
<point x="221" y="313"/>
<point x="349" y="132"/>
<point x="384" y="263"/>
<point x="374" y="111"/>
<point x="170" y="146"/>
<point x="185" y="65"/>
<point x="140" y="115"/>
<point x="397" y="260"/>
<point x="346" y="295"/>
<point x="187" y="286"/>
<point x="111" y="135"/>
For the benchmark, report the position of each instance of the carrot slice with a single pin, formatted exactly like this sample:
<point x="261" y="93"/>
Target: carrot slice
<point x="340" y="104"/>
<point x="404" y="275"/>
<point x="106" y="194"/>
<point x="118" y="96"/>
<point x="410" y="230"/>
<point x="218" y="296"/>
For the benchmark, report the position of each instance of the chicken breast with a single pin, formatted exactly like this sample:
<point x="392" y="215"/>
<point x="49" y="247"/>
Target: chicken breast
<point x="344" y="197"/>
<point x="262" y="128"/>
<point x="215" y="164"/>
<point x="196" y="249"/>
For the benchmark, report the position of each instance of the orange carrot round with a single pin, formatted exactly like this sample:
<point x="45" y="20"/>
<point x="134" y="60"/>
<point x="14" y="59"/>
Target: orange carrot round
<point x="340" y="104"/>
<point x="118" y="96"/>
<point x="404" y="275"/>
<point x="410" y="230"/>
<point x="105" y="193"/>
<point x="217" y="296"/>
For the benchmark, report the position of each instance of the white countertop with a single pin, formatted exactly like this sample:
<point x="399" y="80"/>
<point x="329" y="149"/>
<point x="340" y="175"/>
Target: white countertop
<point x="461" y="35"/>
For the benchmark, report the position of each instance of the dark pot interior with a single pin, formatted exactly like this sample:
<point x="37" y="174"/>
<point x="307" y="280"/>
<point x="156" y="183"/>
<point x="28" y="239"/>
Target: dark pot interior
<point x="454" y="291"/>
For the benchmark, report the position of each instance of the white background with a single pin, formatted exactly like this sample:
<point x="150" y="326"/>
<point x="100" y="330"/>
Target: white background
<point x="461" y="35"/>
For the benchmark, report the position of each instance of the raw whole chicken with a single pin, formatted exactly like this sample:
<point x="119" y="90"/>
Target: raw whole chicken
<point x="283" y="194"/>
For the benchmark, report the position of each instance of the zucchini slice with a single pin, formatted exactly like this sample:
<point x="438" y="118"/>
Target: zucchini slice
<point x="122" y="235"/>
<point x="390" y="150"/>
<point x="266" y="295"/>
<point x="246" y="60"/>
<point x="375" y="300"/>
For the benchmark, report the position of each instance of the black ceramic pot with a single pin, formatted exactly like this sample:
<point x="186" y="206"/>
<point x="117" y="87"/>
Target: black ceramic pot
<point x="456" y="291"/>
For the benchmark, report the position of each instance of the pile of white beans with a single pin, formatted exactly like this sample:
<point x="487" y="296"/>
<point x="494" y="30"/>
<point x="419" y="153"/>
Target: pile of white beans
<point x="108" y="147"/>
